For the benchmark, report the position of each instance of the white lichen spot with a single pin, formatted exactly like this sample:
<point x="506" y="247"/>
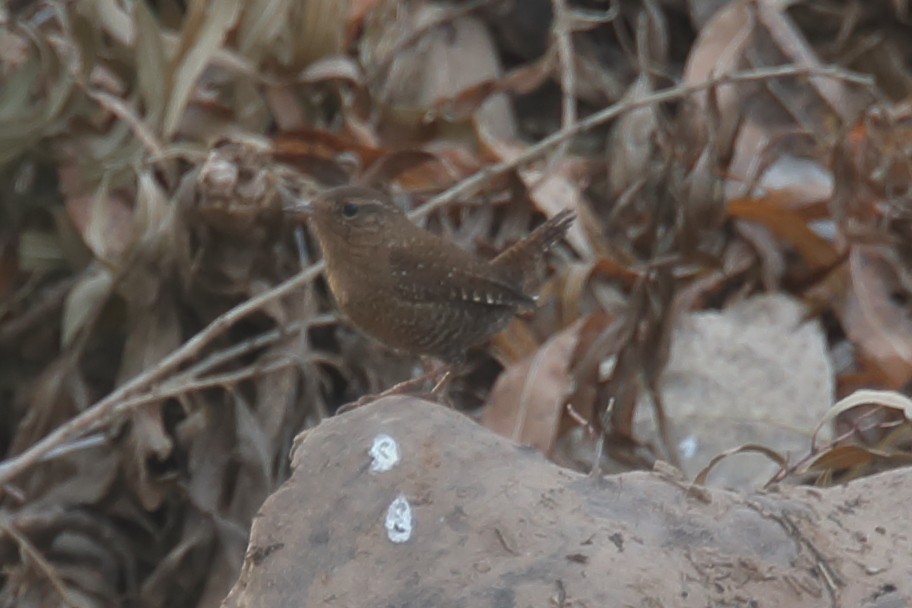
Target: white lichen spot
<point x="399" y="520"/>
<point x="384" y="453"/>
<point x="688" y="446"/>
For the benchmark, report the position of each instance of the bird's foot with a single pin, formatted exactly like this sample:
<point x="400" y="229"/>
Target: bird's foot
<point x="404" y="387"/>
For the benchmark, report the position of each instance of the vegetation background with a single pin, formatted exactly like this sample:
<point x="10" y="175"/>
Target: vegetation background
<point x="739" y="270"/>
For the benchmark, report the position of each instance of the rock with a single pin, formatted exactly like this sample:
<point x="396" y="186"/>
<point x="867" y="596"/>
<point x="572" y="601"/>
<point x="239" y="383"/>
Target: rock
<point x="404" y="503"/>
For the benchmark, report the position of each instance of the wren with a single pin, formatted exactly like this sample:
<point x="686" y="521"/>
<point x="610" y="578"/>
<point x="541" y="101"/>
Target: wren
<point x="412" y="289"/>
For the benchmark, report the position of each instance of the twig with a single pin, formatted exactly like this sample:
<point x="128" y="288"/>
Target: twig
<point x="40" y="562"/>
<point x="471" y="183"/>
<point x="86" y="442"/>
<point x="579" y="420"/>
<point x="186" y="386"/>
<point x="259" y="341"/>
<point x="102" y="409"/>
<point x="802" y="465"/>
<point x="567" y="61"/>
<point x="181" y="385"/>
<point x="188" y="380"/>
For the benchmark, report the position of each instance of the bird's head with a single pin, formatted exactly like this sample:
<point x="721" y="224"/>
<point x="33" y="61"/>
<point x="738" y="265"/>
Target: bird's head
<point x="350" y="217"/>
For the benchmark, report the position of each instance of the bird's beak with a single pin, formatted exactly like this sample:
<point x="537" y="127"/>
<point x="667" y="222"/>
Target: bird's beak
<point x="294" y="205"/>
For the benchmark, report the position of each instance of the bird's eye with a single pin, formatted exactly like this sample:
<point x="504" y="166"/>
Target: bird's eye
<point x="349" y="210"/>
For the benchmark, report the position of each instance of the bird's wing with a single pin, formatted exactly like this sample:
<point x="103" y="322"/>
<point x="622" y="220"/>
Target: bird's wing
<point x="450" y="274"/>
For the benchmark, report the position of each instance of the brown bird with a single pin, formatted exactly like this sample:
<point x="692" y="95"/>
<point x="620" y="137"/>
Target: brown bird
<point x="412" y="289"/>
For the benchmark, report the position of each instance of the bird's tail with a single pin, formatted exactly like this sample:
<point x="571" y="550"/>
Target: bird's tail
<point x="523" y="257"/>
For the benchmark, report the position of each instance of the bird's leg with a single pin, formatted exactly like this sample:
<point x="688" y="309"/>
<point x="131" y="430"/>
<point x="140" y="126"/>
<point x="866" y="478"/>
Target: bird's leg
<point x="404" y="387"/>
<point x="448" y="373"/>
<point x="409" y="385"/>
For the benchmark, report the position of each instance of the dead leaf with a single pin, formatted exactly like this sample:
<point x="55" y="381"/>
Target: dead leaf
<point x="151" y="65"/>
<point x="844" y="457"/>
<point x="631" y="145"/>
<point x="772" y="211"/>
<point x="875" y="322"/>
<point x="779" y="113"/>
<point x="552" y="193"/>
<point x="527" y="402"/>
<point x="205" y="27"/>
<point x="451" y="58"/>
<point x="104" y="221"/>
<point x="83" y="303"/>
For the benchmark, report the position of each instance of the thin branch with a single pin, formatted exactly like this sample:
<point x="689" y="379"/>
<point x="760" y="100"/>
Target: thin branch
<point x="256" y="342"/>
<point x="103" y="409"/>
<point x="188" y="380"/>
<point x="41" y="563"/>
<point x="86" y="442"/>
<point x="470" y="184"/>
<point x="181" y="385"/>
<point x="188" y="386"/>
<point x="567" y="61"/>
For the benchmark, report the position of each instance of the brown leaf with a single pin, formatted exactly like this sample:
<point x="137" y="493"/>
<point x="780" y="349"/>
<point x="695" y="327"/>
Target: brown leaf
<point x="421" y="56"/>
<point x="888" y="400"/>
<point x="877" y="324"/>
<point x="773" y="212"/>
<point x="104" y="220"/>
<point x="151" y="64"/>
<point x="631" y="146"/>
<point x="205" y="27"/>
<point x="297" y="147"/>
<point x="152" y="332"/>
<point x="599" y="341"/>
<point x="844" y="457"/>
<point x="526" y="404"/>
<point x="515" y="342"/>
<point x="83" y="303"/>
<point x="551" y="193"/>
<point x="760" y="116"/>
<point x="526" y="78"/>
<point x="415" y="169"/>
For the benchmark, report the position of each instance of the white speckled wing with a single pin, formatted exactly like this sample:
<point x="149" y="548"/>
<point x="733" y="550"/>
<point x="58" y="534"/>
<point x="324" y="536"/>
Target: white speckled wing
<point x="451" y="274"/>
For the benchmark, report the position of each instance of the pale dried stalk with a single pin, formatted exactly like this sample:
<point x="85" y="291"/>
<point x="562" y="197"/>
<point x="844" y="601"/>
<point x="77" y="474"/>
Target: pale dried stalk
<point x="190" y="385"/>
<point x="567" y="62"/>
<point x="470" y="184"/>
<point x="43" y="565"/>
